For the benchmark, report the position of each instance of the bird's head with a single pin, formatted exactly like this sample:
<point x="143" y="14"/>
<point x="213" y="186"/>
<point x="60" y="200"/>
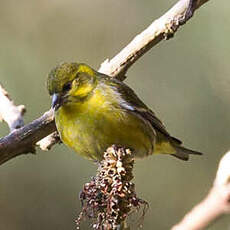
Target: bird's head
<point x="70" y="82"/>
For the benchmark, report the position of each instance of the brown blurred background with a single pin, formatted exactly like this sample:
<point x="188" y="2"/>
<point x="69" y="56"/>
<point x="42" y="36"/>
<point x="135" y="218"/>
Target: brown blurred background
<point x="185" y="80"/>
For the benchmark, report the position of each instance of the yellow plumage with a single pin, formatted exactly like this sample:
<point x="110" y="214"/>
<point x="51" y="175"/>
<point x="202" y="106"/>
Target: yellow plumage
<point x="94" y="111"/>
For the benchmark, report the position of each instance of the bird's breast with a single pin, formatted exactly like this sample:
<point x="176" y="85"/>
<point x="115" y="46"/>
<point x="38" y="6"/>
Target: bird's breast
<point x="90" y="127"/>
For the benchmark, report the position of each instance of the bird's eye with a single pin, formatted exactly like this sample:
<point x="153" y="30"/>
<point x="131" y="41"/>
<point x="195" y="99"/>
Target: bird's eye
<point x="67" y="86"/>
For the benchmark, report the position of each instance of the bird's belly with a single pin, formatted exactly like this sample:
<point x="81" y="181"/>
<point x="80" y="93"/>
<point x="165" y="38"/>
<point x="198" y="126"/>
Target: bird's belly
<point x="90" y="133"/>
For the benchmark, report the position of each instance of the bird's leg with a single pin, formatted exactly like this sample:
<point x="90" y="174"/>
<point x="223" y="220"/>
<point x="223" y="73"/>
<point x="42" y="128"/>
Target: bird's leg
<point x="189" y="12"/>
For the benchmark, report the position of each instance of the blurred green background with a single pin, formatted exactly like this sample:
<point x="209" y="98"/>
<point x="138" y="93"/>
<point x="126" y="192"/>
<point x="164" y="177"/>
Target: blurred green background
<point x="185" y="80"/>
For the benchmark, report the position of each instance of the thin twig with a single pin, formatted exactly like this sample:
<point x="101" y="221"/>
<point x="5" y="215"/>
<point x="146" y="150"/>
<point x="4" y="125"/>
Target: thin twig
<point x="216" y="204"/>
<point x="9" y="112"/>
<point x="46" y="143"/>
<point x="160" y="29"/>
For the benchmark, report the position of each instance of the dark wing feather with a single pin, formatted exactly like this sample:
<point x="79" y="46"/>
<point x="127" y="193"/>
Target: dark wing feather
<point x="133" y="103"/>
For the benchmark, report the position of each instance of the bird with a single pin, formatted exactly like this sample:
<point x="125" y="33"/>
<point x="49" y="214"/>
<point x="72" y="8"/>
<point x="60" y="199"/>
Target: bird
<point x="94" y="111"/>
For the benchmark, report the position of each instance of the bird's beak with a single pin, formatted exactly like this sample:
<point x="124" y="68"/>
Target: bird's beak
<point x="56" y="101"/>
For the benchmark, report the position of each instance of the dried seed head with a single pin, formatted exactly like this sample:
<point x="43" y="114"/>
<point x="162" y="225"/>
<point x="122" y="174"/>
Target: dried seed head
<point x="110" y="197"/>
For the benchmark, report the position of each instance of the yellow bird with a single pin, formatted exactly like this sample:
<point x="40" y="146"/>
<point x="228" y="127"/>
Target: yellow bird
<point x="94" y="111"/>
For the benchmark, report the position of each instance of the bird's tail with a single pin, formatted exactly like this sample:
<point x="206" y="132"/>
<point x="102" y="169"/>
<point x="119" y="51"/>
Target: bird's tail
<point x="183" y="153"/>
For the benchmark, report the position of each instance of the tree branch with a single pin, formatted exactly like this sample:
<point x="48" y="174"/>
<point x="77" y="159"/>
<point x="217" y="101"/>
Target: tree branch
<point x="24" y="139"/>
<point x="216" y="204"/>
<point x="161" y="29"/>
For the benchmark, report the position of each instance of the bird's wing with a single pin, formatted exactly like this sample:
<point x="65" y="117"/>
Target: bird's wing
<point x="131" y="102"/>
